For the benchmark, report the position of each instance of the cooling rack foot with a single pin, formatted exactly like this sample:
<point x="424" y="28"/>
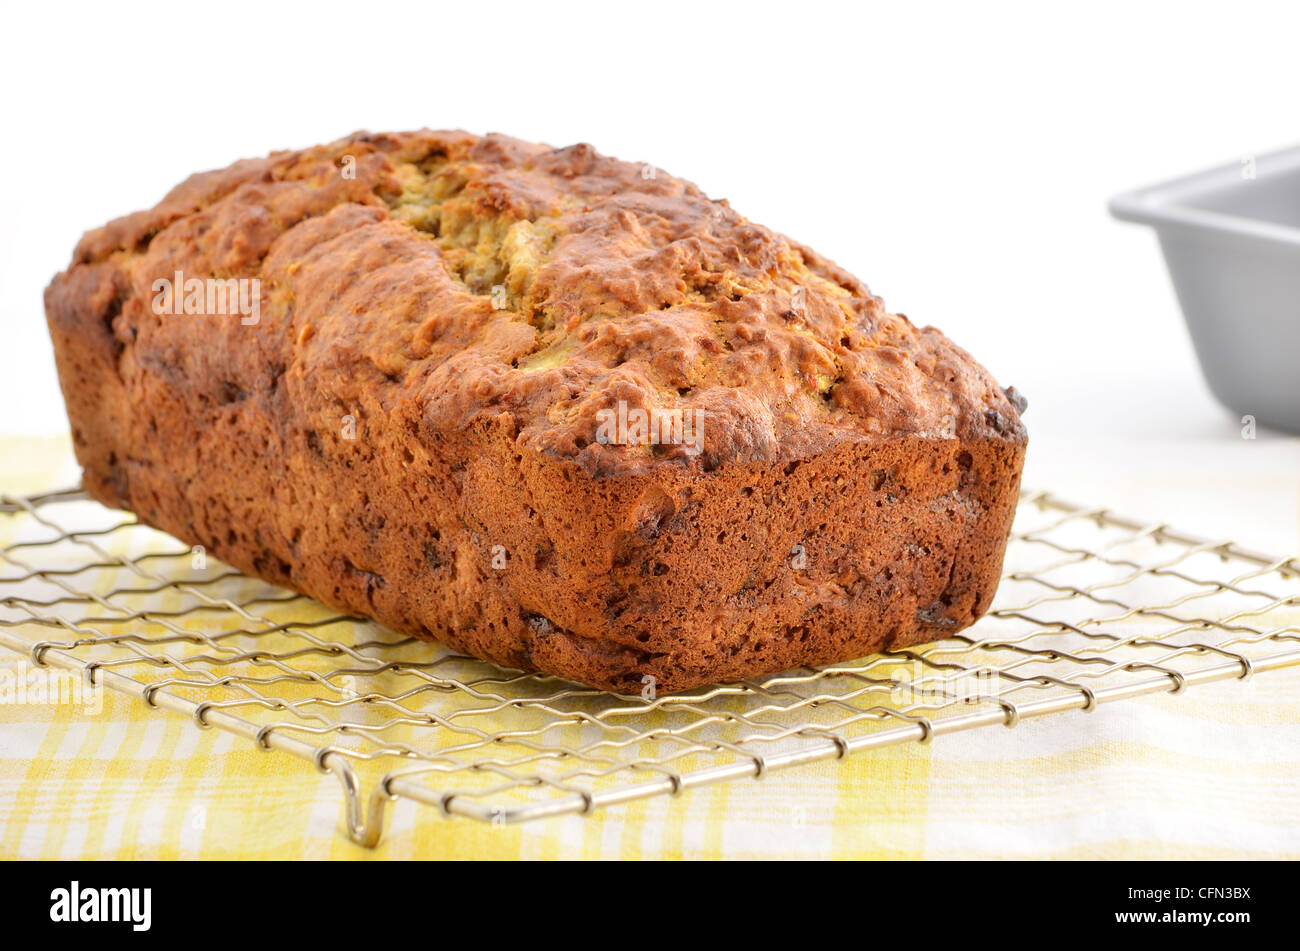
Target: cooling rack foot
<point x="363" y="817"/>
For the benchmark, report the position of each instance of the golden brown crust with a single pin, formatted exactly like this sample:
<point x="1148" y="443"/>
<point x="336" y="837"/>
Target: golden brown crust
<point x="443" y="320"/>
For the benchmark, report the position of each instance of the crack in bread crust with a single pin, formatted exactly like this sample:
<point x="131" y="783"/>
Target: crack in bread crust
<point x="443" y="320"/>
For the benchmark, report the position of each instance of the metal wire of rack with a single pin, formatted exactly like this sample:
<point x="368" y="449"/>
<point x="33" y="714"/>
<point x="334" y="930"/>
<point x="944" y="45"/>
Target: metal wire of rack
<point x="1093" y="608"/>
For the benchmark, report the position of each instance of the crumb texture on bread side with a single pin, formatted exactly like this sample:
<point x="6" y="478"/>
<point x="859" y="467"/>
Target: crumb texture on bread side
<point x="445" y="320"/>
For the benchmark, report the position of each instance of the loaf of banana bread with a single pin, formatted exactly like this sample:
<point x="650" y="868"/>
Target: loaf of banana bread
<point x="559" y="411"/>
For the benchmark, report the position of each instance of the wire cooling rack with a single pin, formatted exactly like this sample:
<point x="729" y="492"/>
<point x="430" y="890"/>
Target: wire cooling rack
<point x="1093" y="608"/>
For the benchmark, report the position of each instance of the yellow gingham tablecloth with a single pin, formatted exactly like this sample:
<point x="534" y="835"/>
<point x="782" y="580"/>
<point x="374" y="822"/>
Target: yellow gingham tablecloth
<point x="1214" y="772"/>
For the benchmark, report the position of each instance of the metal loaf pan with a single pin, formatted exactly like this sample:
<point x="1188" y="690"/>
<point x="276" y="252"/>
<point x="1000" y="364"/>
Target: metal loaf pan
<point x="1231" y="241"/>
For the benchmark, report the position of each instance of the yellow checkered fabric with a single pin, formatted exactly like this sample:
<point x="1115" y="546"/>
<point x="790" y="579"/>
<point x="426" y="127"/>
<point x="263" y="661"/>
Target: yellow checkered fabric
<point x="1210" y="773"/>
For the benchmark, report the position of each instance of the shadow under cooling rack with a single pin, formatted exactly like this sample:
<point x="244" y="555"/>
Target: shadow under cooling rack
<point x="1093" y="608"/>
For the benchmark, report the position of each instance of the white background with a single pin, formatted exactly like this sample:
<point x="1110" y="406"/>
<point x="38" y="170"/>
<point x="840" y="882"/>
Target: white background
<point x="958" y="157"/>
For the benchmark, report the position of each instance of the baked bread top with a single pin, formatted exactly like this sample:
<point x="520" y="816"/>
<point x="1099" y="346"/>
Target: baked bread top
<point x="486" y="275"/>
